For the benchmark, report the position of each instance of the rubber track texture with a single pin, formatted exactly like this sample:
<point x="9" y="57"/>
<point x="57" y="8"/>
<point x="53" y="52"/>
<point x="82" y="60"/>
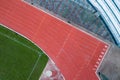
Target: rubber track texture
<point x="76" y="53"/>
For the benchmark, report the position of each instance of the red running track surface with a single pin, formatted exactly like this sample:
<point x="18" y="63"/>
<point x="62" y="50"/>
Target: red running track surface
<point x="76" y="53"/>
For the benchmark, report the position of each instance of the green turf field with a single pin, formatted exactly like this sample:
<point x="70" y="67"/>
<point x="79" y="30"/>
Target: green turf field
<point x="19" y="58"/>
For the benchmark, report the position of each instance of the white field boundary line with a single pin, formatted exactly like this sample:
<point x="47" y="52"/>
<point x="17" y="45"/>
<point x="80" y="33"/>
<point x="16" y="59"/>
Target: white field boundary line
<point x="108" y="47"/>
<point x="77" y="29"/>
<point x="34" y="67"/>
<point x="40" y="54"/>
<point x="27" y="47"/>
<point x="94" y="53"/>
<point x="47" y="66"/>
<point x="60" y="20"/>
<point x="44" y="69"/>
<point x="26" y="38"/>
<point x="107" y="50"/>
<point x="39" y="9"/>
<point x="15" y="40"/>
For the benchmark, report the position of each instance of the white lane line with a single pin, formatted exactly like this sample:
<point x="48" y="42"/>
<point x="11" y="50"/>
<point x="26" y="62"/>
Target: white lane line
<point x="34" y="67"/>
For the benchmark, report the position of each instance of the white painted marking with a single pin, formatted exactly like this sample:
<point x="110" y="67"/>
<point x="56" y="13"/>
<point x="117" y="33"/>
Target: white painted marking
<point x="65" y="22"/>
<point x="102" y="53"/>
<point x="95" y="66"/>
<point x="48" y="73"/>
<point x="99" y="59"/>
<point x="100" y="56"/>
<point x="97" y="62"/>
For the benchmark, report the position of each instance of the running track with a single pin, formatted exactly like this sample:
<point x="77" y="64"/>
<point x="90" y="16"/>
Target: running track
<point x="76" y="53"/>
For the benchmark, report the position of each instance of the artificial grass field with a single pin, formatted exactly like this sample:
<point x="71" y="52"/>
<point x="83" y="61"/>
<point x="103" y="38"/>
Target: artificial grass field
<point x="19" y="58"/>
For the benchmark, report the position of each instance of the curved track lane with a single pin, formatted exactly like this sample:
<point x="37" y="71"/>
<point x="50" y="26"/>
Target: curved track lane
<point x="75" y="52"/>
